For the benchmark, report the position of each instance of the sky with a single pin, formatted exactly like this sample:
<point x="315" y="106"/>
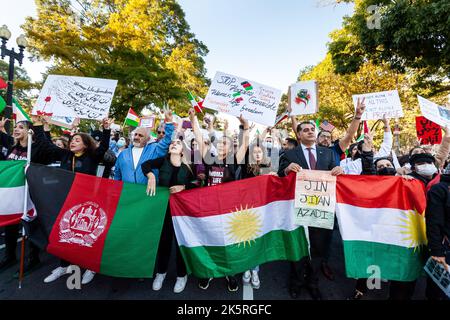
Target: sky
<point x="266" y="41"/>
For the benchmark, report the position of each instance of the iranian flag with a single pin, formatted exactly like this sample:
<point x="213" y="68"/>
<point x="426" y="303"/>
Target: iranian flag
<point x="132" y="118"/>
<point x="232" y="227"/>
<point x="197" y="105"/>
<point x="19" y="113"/>
<point x="106" y="226"/>
<point x="12" y="193"/>
<point x="382" y="224"/>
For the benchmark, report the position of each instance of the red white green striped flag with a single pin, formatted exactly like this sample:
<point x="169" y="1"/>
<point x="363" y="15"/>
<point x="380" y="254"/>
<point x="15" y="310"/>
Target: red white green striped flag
<point x="19" y="113"/>
<point x="232" y="227"/>
<point x="104" y="225"/>
<point x="197" y="105"/>
<point x="132" y="118"/>
<point x="12" y="193"/>
<point x="382" y="224"/>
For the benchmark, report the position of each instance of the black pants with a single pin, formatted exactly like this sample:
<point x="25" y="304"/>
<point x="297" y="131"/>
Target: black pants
<point x="305" y="273"/>
<point x="11" y="236"/>
<point x="165" y="248"/>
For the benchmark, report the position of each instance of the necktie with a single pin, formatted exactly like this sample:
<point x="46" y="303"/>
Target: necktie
<point x="312" y="159"/>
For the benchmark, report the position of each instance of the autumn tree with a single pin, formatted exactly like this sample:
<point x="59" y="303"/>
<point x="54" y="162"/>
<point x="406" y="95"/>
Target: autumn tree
<point x="412" y="37"/>
<point x="146" y="45"/>
<point x="22" y="85"/>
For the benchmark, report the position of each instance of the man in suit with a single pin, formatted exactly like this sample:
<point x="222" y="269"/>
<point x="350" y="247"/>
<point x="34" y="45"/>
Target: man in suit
<point x="309" y="156"/>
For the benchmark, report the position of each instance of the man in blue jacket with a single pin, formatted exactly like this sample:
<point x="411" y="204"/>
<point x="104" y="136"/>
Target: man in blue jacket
<point x="128" y="164"/>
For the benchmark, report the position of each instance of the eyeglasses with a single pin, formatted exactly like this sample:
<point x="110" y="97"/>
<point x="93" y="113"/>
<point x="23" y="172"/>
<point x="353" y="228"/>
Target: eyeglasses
<point x="161" y="132"/>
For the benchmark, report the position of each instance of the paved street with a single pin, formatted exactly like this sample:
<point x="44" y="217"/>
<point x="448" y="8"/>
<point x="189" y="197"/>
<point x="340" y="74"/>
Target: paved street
<point x="273" y="276"/>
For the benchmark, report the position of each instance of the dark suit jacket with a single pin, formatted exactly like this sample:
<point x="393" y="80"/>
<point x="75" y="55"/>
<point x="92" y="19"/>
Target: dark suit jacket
<point x="325" y="159"/>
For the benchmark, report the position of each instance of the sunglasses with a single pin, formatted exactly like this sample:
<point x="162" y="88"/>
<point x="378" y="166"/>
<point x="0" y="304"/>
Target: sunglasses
<point x="161" y="132"/>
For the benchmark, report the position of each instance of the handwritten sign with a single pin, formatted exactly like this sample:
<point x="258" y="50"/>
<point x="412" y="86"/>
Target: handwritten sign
<point x="315" y="199"/>
<point x="379" y="104"/>
<point x="428" y="132"/>
<point x="65" y="122"/>
<point x="235" y="96"/>
<point x="434" y="112"/>
<point x="147" y="122"/>
<point x="75" y="97"/>
<point x="304" y="98"/>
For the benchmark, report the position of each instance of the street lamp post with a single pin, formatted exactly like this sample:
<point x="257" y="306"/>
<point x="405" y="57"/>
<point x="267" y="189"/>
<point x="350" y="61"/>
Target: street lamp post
<point x="5" y="34"/>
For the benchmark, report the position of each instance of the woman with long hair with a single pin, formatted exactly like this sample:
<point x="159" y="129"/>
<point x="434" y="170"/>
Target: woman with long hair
<point x="176" y="174"/>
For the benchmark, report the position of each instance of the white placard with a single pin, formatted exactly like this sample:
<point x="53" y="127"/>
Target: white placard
<point x="235" y="96"/>
<point x="147" y="122"/>
<point x="75" y="97"/>
<point x="379" y="104"/>
<point x="434" y="112"/>
<point x="65" y="122"/>
<point x="304" y="98"/>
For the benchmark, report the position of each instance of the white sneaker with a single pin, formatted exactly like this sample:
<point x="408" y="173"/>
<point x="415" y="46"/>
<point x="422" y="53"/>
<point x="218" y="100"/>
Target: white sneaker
<point x="158" y="282"/>
<point x="87" y="277"/>
<point x="246" y="277"/>
<point x="180" y="284"/>
<point x="56" y="274"/>
<point x="255" y="280"/>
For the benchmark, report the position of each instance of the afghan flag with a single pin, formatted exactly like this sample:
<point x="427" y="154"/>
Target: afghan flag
<point x="197" y="105"/>
<point x="132" y="118"/>
<point x="232" y="227"/>
<point x="2" y="104"/>
<point x="3" y="84"/>
<point x="104" y="225"/>
<point x="247" y="86"/>
<point x="19" y="113"/>
<point x="12" y="193"/>
<point x="382" y="224"/>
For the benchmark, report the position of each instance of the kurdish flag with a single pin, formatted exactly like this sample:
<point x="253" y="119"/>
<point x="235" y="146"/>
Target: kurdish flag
<point x="12" y="192"/>
<point x="232" y="227"/>
<point x="382" y="224"/>
<point x="132" y="118"/>
<point x="106" y="226"/>
<point x="19" y="113"/>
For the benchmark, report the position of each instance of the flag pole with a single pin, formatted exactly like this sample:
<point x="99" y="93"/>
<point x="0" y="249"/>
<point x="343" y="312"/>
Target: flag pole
<point x="25" y="205"/>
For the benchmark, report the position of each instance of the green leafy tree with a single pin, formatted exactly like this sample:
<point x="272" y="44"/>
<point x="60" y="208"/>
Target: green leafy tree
<point x="145" y="44"/>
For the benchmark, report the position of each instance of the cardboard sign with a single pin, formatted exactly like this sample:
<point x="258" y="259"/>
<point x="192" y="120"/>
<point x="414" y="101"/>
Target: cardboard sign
<point x="65" y="122"/>
<point x="75" y="97"/>
<point x="434" y="112"/>
<point x="440" y="276"/>
<point x="379" y="104"/>
<point x="428" y="132"/>
<point x="315" y="199"/>
<point x="304" y="98"/>
<point x="235" y="96"/>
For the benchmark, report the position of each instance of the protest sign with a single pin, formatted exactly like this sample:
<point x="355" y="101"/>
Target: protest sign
<point x="65" y="122"/>
<point x="304" y="98"/>
<point x="315" y="199"/>
<point x="235" y="96"/>
<point x="379" y="104"/>
<point x="147" y="122"/>
<point x="434" y="112"/>
<point x="75" y="97"/>
<point x="428" y="132"/>
<point x="439" y="275"/>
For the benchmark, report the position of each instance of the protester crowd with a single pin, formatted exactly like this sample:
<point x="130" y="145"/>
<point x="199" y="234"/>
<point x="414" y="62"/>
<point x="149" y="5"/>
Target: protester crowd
<point x="184" y="158"/>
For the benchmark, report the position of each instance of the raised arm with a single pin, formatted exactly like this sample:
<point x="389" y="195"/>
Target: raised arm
<point x="104" y="143"/>
<point x="240" y="154"/>
<point x="197" y="133"/>
<point x="163" y="145"/>
<point x="444" y="149"/>
<point x="345" y="142"/>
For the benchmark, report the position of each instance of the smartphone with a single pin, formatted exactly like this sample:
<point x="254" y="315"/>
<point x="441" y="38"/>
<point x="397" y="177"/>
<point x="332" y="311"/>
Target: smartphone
<point x="187" y="125"/>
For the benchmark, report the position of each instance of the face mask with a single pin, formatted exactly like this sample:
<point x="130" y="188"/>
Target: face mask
<point x="387" y="172"/>
<point x="268" y="145"/>
<point x="426" y="169"/>
<point x="120" y="143"/>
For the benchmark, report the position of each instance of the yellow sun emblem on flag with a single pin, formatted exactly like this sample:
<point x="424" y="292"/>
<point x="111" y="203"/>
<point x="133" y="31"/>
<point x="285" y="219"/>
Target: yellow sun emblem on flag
<point x="244" y="226"/>
<point x="414" y="228"/>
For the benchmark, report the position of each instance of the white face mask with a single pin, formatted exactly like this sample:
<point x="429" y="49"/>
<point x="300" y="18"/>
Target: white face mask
<point x="426" y="169"/>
